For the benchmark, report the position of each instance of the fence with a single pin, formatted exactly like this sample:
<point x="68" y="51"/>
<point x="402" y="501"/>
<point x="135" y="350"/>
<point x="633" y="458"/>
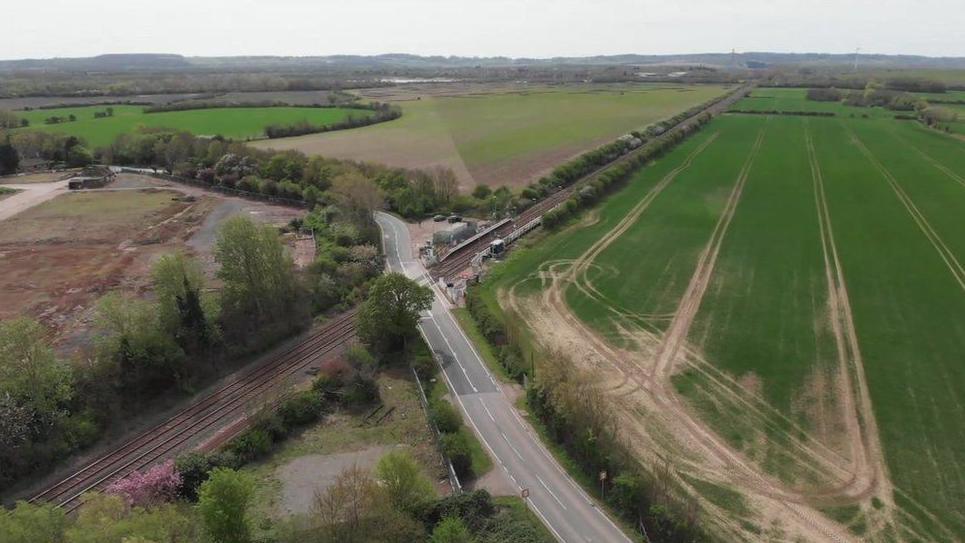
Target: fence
<point x="453" y="478"/>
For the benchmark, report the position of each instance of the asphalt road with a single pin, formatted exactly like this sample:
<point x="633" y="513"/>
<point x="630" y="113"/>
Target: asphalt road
<point x="566" y="510"/>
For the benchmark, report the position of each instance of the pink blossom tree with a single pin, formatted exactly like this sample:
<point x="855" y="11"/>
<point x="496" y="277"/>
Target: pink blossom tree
<point x="157" y="485"/>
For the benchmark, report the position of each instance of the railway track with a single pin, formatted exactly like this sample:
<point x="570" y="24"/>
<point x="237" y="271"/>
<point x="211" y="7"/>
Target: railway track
<point x="459" y="260"/>
<point x="217" y="410"/>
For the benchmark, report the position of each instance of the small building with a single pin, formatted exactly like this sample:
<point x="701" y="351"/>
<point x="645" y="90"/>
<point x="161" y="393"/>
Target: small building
<point x="454" y="233"/>
<point x="92" y="177"/>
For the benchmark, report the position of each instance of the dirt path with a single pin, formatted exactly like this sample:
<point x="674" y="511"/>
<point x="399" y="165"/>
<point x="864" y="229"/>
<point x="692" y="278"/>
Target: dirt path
<point x="696" y="447"/>
<point x="690" y="302"/>
<point x="662" y="426"/>
<point x="870" y="476"/>
<point x="946" y="254"/>
<point x="30" y="195"/>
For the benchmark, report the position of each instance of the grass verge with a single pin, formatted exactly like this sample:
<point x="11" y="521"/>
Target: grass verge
<point x="481" y="463"/>
<point x="483" y="347"/>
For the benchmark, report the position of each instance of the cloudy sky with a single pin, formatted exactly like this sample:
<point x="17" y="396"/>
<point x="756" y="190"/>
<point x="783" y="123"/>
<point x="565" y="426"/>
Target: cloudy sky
<point x="532" y="28"/>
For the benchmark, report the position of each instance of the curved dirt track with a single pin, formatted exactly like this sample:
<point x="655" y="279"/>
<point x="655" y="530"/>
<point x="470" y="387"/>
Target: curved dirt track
<point x="662" y="425"/>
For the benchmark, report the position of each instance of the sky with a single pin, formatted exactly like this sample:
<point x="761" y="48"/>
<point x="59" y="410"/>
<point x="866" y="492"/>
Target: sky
<point x="513" y="28"/>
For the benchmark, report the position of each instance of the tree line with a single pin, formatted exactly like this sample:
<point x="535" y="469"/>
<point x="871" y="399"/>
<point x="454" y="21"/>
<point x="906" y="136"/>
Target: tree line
<point x="381" y="113"/>
<point x="874" y="95"/>
<point x="575" y="413"/>
<point x="143" y="348"/>
<point x="615" y="176"/>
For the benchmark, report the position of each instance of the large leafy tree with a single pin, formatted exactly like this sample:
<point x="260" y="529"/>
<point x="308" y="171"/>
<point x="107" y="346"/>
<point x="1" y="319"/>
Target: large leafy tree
<point x="9" y="158"/>
<point x="223" y="502"/>
<point x="30" y="373"/>
<point x="261" y="296"/>
<point x="184" y="312"/>
<point x="145" y="358"/>
<point x="391" y="312"/>
<point x="401" y="479"/>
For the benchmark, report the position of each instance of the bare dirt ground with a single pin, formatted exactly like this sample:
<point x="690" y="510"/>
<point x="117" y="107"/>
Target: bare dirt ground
<point x="60" y="251"/>
<point x="29" y="178"/>
<point x="29" y="195"/>
<point x="57" y="258"/>
<point x="307" y="475"/>
<point x="662" y="426"/>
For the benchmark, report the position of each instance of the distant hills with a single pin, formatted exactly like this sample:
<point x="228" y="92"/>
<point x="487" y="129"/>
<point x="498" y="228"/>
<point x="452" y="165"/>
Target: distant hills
<point x="115" y="63"/>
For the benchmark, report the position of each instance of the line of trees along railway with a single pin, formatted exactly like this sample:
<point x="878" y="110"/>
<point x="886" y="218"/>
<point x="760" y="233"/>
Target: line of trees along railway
<point x="573" y="412"/>
<point x="51" y="407"/>
<point x="203" y="497"/>
<point x="654" y="143"/>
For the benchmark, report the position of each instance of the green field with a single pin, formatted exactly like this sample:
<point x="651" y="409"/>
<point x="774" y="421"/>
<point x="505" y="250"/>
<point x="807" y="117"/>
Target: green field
<point x="958" y="126"/>
<point x="761" y="362"/>
<point x="236" y="123"/>
<point x="777" y="99"/>
<point x="947" y="96"/>
<point x="506" y="138"/>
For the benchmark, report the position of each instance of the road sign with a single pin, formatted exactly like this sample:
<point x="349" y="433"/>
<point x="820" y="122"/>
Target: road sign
<point x="525" y="493"/>
<point x="603" y="475"/>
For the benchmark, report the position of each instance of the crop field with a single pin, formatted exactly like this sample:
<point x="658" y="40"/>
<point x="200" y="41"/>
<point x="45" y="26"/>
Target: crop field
<point x="501" y="137"/>
<point x="237" y="123"/>
<point x="779" y="304"/>
<point x="779" y="99"/>
<point x="958" y="127"/>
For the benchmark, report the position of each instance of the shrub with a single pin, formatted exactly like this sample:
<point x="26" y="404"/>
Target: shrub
<point x="474" y="508"/>
<point x="251" y="445"/>
<point x="446" y="418"/>
<point x="425" y="366"/>
<point x="225" y="459"/>
<point x="456" y="447"/>
<point x="360" y="358"/>
<point x="481" y="192"/>
<point x="361" y="390"/>
<point x="271" y="424"/>
<point x="157" y="485"/>
<point x="223" y="502"/>
<point x="300" y="409"/>
<point x="194" y="468"/>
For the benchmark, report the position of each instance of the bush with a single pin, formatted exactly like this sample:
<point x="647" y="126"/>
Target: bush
<point x="271" y="424"/>
<point x="361" y="390"/>
<point x="474" y="508"/>
<point x="445" y="416"/>
<point x="301" y="409"/>
<point x="194" y="468"/>
<point x="157" y="485"/>
<point x="425" y="366"/>
<point x="251" y="445"/>
<point x="481" y="192"/>
<point x="456" y="447"/>
<point x="360" y="358"/>
<point x="225" y="459"/>
<point x="824" y="95"/>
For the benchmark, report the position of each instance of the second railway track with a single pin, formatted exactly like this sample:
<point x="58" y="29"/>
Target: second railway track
<point x="459" y="260"/>
<point x="220" y="407"/>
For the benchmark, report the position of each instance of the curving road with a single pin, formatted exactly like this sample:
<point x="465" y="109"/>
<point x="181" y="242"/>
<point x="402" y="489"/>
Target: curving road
<point x="566" y="510"/>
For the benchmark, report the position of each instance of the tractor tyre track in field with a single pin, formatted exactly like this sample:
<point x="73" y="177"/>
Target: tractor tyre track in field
<point x="660" y="390"/>
<point x="946" y="254"/>
<point x="695" y="446"/>
<point x="870" y="475"/>
<point x="679" y="327"/>
<point x="938" y="165"/>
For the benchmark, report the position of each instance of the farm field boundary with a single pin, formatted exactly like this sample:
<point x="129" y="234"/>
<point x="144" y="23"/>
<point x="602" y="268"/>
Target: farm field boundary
<point x="858" y="487"/>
